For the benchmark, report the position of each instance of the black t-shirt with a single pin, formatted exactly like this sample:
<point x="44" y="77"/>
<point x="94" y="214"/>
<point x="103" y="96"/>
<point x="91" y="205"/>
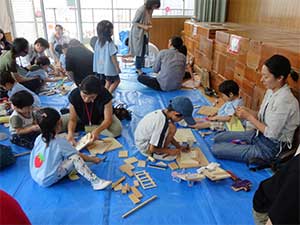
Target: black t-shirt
<point x="96" y="108"/>
<point x="79" y="60"/>
<point x="279" y="195"/>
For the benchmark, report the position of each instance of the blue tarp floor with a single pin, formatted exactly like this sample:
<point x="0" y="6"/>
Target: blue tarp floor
<point x="75" y="202"/>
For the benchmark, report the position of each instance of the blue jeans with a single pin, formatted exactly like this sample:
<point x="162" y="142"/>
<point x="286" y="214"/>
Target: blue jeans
<point x="140" y="60"/>
<point x="257" y="146"/>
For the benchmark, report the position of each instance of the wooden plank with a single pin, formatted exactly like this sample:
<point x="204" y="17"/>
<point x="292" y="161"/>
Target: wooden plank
<point x="173" y="166"/>
<point x="194" y="158"/>
<point x="141" y="163"/>
<point x="208" y="110"/>
<point x="134" y="199"/>
<point x="184" y="135"/>
<point x="118" y="182"/>
<point x="118" y="187"/>
<point x="131" y="160"/>
<point x="126" y="168"/>
<point x="139" y="206"/>
<point x="136" y="192"/>
<point x="123" y="154"/>
<point x="136" y="183"/>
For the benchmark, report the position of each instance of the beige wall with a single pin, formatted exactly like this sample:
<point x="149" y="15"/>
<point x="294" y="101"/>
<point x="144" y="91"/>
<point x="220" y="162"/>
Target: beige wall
<point x="278" y="13"/>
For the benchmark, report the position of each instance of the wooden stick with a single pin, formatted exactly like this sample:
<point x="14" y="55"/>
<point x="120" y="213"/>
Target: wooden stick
<point x="139" y="206"/>
<point x="118" y="182"/>
<point x="22" y="153"/>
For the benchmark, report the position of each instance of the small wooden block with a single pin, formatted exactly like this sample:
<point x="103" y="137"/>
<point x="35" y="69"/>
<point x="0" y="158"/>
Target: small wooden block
<point x="118" y="187"/>
<point x="99" y="147"/>
<point x="83" y="142"/>
<point x="131" y="160"/>
<point x="124" y="189"/>
<point x="184" y="135"/>
<point x="136" y="192"/>
<point x="123" y="154"/>
<point x="118" y="182"/>
<point x="141" y="163"/>
<point x="173" y="166"/>
<point x="126" y="168"/>
<point x="134" y="199"/>
<point x="73" y="175"/>
<point x="114" y="144"/>
<point x="208" y="110"/>
<point x="136" y="183"/>
<point x="127" y="187"/>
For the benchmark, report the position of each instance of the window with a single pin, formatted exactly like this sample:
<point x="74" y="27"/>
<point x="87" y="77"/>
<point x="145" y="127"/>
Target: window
<point x="28" y="15"/>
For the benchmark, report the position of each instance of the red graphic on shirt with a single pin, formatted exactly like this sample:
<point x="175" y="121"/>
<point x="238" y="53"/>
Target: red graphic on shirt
<point x="38" y="160"/>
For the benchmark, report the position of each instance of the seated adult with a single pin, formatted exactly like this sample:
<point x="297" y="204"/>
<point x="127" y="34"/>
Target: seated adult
<point x="277" y="198"/>
<point x="275" y="122"/>
<point x="79" y="61"/>
<point x="4" y="44"/>
<point x="34" y="51"/>
<point x="170" y="63"/>
<point x="8" y="64"/>
<point x="91" y="110"/>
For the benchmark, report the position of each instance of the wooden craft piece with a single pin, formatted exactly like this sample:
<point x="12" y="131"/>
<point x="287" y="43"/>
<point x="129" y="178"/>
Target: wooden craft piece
<point x="130" y="160"/>
<point x="136" y="183"/>
<point x="118" y="182"/>
<point x="208" y="110"/>
<point x="99" y="147"/>
<point x="126" y="168"/>
<point x="139" y="206"/>
<point x="156" y="167"/>
<point x="104" y="145"/>
<point x="123" y="154"/>
<point x="136" y="192"/>
<point x="194" y="158"/>
<point x="145" y="179"/>
<point x="124" y="189"/>
<point x="134" y="199"/>
<point x="114" y="144"/>
<point x="173" y="166"/>
<point x="118" y="187"/>
<point x="127" y="187"/>
<point x="84" y="141"/>
<point x="217" y="174"/>
<point x="141" y="163"/>
<point x="184" y="135"/>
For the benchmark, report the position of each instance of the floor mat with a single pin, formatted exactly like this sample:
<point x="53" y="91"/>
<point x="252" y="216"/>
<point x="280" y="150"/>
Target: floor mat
<point x="74" y="202"/>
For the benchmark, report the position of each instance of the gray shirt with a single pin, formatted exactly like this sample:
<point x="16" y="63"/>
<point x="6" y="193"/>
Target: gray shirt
<point x="279" y="111"/>
<point x="170" y="64"/>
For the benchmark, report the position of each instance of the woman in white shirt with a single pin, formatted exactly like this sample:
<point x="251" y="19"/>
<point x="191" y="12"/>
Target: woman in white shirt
<point x="57" y="38"/>
<point x="275" y="122"/>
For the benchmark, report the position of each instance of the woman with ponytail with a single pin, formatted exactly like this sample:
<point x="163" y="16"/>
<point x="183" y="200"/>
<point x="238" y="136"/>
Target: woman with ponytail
<point x="54" y="157"/>
<point x="275" y="123"/>
<point x="170" y="63"/>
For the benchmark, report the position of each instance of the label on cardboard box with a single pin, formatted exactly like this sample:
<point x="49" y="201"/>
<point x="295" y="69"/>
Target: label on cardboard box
<point x="234" y="44"/>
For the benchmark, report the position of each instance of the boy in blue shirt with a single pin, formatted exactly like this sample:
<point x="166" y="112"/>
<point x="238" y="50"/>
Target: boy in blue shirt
<point x="230" y="94"/>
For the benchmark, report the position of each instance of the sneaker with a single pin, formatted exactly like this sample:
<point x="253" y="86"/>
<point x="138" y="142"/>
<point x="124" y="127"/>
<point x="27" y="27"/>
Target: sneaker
<point x="100" y="184"/>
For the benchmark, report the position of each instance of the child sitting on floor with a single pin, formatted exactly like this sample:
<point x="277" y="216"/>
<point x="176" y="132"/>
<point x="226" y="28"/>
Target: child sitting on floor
<point x="54" y="157"/>
<point x="156" y="131"/>
<point x="230" y="94"/>
<point x="8" y="83"/>
<point x="40" y="68"/>
<point x="22" y="123"/>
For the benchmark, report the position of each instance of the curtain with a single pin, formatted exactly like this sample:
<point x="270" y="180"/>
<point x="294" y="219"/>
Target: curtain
<point x="211" y="10"/>
<point x="5" y="21"/>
